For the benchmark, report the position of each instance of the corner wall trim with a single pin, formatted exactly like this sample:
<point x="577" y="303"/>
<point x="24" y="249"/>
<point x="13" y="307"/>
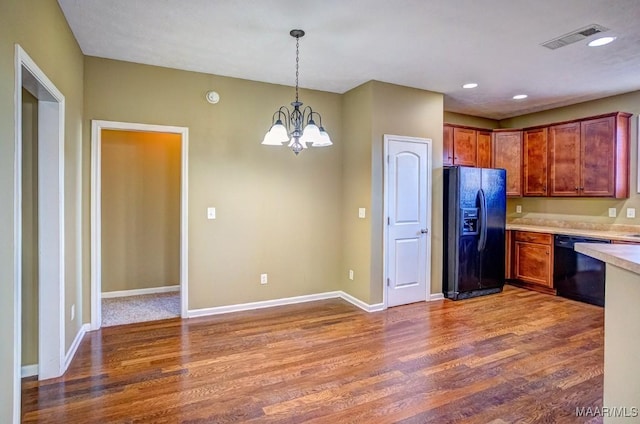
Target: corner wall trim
<point x="360" y="304"/>
<point x="74" y="346"/>
<point x="285" y="301"/>
<point x="138" y="292"/>
<point x="29" y="370"/>
<point x="436" y="296"/>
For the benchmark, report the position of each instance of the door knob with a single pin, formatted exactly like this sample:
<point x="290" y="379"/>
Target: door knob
<point x="424" y="231"/>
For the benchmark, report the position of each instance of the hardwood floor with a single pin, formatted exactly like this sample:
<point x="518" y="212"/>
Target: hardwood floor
<point x="514" y="357"/>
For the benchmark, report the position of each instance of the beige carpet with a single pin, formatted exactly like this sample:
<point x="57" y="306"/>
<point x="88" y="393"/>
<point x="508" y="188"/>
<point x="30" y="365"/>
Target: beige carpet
<point x="147" y="307"/>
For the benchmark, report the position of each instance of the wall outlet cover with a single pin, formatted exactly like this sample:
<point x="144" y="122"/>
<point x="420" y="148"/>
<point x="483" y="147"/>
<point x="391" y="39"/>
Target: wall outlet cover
<point x="211" y="213"/>
<point x="263" y="279"/>
<point x="518" y="208"/>
<point x="612" y="212"/>
<point x="631" y="212"/>
<point x="361" y="212"/>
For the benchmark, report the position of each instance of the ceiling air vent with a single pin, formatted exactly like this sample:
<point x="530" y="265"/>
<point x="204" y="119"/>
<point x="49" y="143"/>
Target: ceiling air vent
<point x="574" y="36"/>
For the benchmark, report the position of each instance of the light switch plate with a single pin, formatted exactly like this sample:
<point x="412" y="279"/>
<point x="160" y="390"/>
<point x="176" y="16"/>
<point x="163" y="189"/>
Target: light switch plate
<point x="612" y="212"/>
<point x="211" y="213"/>
<point x="350" y="274"/>
<point x="361" y="212"/>
<point x="631" y="212"/>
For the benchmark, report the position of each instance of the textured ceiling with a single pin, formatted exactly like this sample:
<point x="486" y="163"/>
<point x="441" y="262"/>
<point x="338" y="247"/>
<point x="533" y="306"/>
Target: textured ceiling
<point x="434" y="45"/>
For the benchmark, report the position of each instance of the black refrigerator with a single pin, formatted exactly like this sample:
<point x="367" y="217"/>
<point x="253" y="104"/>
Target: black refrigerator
<point x="474" y="231"/>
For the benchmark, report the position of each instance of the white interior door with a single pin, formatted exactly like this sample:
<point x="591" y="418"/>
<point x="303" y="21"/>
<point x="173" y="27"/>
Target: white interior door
<point x="408" y="224"/>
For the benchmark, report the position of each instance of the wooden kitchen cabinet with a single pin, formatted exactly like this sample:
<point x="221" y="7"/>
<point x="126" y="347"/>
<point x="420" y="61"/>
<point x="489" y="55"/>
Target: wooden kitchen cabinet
<point x="459" y="146"/>
<point x="447" y="145"/>
<point x="483" y="141"/>
<point x="507" y="154"/>
<point x="590" y="157"/>
<point x="564" y="159"/>
<point x="534" y="162"/>
<point x="532" y="261"/>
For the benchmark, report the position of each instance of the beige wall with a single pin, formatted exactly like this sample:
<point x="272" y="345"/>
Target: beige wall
<point x="29" y="229"/>
<point x="409" y="112"/>
<point x="357" y="124"/>
<point x="472" y="121"/>
<point x="592" y="210"/>
<point x="41" y="29"/>
<point x="371" y="111"/>
<point x="140" y="210"/>
<point x="276" y="213"/>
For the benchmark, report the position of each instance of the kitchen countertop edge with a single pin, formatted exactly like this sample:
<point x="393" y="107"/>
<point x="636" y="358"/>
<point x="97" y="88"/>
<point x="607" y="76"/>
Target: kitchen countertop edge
<point x="625" y="256"/>
<point x="601" y="234"/>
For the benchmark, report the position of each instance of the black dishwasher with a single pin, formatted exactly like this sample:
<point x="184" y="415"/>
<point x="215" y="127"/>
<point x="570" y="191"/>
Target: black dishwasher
<point x="577" y="276"/>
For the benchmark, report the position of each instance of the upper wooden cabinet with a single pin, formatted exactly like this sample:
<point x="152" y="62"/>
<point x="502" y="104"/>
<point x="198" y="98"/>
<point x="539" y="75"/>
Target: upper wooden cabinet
<point x="507" y="154"/>
<point x="534" y="162"/>
<point x="447" y="145"/>
<point x="590" y="157"/>
<point x="460" y="147"/>
<point x="564" y="159"/>
<point x="483" y="157"/>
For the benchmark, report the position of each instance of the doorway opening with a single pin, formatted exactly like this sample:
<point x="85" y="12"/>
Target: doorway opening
<point x="38" y="236"/>
<point x="138" y="223"/>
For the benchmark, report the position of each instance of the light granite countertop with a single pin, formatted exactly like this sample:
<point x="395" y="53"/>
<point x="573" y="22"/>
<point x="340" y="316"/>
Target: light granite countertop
<point x="625" y="256"/>
<point x="629" y="233"/>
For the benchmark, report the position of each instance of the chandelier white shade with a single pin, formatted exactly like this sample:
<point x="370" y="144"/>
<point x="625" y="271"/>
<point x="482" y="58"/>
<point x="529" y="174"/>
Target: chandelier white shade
<point x="297" y="127"/>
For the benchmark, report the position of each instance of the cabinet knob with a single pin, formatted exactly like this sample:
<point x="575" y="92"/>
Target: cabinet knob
<point x="577" y="188"/>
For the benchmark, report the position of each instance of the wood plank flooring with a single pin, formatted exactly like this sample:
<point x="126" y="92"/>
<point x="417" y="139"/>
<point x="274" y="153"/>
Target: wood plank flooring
<point x="514" y="357"/>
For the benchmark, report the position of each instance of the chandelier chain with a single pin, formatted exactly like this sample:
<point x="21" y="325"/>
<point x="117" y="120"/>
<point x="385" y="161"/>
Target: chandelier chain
<point x="297" y="64"/>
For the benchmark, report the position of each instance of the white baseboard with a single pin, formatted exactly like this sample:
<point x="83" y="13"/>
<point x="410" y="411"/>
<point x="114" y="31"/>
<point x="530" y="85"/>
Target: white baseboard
<point x="74" y="346"/>
<point x="360" y="304"/>
<point x="29" y="370"/>
<point x="137" y="292"/>
<point x="436" y="296"/>
<point x="262" y="304"/>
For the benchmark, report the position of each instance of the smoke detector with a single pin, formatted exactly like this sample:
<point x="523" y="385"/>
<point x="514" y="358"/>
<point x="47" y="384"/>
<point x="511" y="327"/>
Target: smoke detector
<point x="574" y="36"/>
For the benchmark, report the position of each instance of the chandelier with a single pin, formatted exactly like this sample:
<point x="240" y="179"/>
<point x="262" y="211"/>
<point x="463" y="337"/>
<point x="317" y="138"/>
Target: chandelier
<point x="296" y="126"/>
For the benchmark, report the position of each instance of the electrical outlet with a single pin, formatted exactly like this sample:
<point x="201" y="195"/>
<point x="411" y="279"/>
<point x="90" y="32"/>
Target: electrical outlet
<point x="518" y="208"/>
<point x="631" y="212"/>
<point x="612" y="212"/>
<point x="350" y="274"/>
<point x="211" y="213"/>
<point x="361" y="212"/>
<point x="73" y="311"/>
<point x="263" y="279"/>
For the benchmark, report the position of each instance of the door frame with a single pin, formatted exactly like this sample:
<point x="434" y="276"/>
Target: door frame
<point x="51" y="324"/>
<point x="385" y="201"/>
<point x="96" y="204"/>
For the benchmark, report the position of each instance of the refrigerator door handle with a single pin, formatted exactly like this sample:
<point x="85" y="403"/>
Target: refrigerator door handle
<point x="482" y="221"/>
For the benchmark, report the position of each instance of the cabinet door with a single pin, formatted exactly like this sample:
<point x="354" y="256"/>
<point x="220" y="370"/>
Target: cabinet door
<point x="564" y="159"/>
<point x="447" y="145"/>
<point x="483" y="139"/>
<point x="598" y="157"/>
<point x="507" y="154"/>
<point x="533" y="263"/>
<point x="464" y="147"/>
<point x="535" y="162"/>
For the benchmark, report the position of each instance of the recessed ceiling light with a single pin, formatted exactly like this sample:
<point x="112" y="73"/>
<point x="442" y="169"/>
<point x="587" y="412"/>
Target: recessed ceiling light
<point x="601" y="41"/>
<point x="470" y="85"/>
<point x="520" y="96"/>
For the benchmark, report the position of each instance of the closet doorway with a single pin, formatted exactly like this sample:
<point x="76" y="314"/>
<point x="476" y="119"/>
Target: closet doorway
<point x="138" y="223"/>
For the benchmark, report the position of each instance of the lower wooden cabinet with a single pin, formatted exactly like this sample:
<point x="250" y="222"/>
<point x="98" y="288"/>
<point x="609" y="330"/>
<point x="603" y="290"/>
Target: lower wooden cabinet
<point x="532" y="260"/>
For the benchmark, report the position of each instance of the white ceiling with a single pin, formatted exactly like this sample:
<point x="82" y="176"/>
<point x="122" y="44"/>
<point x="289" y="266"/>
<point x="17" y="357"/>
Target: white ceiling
<point x="434" y="45"/>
